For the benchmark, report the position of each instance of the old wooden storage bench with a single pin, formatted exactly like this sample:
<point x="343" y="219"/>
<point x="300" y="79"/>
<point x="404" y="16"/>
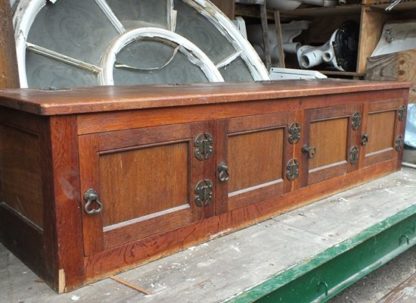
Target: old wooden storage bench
<point x="96" y="180"/>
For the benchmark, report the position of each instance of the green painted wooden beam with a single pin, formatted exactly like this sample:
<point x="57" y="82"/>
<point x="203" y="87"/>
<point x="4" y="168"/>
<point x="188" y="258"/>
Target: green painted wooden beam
<point x="333" y="270"/>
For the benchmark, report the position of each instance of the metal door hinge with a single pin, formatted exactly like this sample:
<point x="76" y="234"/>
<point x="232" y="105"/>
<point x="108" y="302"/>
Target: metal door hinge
<point x="292" y="169"/>
<point x="93" y="205"/>
<point x="223" y="173"/>
<point x="401" y="112"/>
<point x="204" y="146"/>
<point x="309" y="150"/>
<point x="354" y="155"/>
<point x="399" y="143"/>
<point x="294" y="133"/>
<point x="203" y="193"/>
<point x="356" y="121"/>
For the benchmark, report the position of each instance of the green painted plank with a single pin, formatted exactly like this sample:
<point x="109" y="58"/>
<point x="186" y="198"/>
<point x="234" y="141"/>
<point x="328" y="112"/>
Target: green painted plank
<point x="339" y="266"/>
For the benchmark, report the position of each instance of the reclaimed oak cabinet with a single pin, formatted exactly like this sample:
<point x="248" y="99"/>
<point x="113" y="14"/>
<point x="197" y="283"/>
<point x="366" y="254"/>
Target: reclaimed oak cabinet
<point x="97" y="180"/>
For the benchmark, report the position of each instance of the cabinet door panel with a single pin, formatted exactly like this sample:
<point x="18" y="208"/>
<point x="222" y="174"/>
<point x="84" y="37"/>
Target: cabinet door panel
<point x="136" y="185"/>
<point x="256" y="153"/>
<point x="255" y="159"/>
<point x="145" y="180"/>
<point x="382" y="129"/>
<point x="330" y="138"/>
<point x="329" y="133"/>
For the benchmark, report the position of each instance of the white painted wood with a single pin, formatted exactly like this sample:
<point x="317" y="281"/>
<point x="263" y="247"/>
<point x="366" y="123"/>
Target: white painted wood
<point x="194" y="53"/>
<point x="63" y="58"/>
<point x="110" y="15"/>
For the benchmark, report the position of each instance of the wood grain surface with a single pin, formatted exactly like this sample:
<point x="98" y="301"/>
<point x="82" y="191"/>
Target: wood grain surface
<point x="136" y="147"/>
<point x="110" y="98"/>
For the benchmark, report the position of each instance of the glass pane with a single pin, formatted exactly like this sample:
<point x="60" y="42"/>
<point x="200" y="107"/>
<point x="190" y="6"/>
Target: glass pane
<point x="133" y="13"/>
<point x="203" y="33"/>
<point x="146" y="54"/>
<point x="236" y="71"/>
<point x="76" y="28"/>
<point x="45" y="73"/>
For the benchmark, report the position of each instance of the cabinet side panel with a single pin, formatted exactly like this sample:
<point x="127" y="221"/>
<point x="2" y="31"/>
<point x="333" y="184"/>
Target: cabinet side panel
<point x="20" y="173"/>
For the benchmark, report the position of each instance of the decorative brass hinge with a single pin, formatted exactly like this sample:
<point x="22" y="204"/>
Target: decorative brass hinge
<point x="93" y="205"/>
<point x="203" y="193"/>
<point x="401" y="112"/>
<point x="294" y="133"/>
<point x="399" y="143"/>
<point x="356" y="121"/>
<point x="354" y="155"/>
<point x="292" y="169"/>
<point x="204" y="146"/>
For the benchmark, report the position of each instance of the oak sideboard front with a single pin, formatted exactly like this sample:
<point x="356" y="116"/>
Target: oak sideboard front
<point x="97" y="180"/>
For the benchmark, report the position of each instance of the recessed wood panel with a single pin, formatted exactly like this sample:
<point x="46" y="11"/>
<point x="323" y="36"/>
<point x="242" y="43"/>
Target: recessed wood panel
<point x="20" y="174"/>
<point x="144" y="181"/>
<point x="330" y="138"/>
<point x="380" y="129"/>
<point x="255" y="158"/>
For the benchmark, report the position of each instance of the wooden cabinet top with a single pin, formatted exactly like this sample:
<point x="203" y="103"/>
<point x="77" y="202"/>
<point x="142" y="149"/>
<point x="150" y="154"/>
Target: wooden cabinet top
<point x="110" y="98"/>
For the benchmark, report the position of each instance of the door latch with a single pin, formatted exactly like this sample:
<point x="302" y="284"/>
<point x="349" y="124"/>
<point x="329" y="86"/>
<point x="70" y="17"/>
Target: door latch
<point x="364" y="139"/>
<point x="93" y="205"/>
<point x="309" y="150"/>
<point x="223" y="173"/>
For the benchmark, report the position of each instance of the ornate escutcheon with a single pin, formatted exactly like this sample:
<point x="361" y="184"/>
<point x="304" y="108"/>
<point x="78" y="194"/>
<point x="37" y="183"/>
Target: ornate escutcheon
<point x="364" y="139"/>
<point x="93" y="205"/>
<point x="354" y="155"/>
<point x="292" y="169"/>
<point x="399" y="143"/>
<point x="204" y="146"/>
<point x="356" y="120"/>
<point x="309" y="150"/>
<point x="203" y="193"/>
<point x="294" y="133"/>
<point x="223" y="173"/>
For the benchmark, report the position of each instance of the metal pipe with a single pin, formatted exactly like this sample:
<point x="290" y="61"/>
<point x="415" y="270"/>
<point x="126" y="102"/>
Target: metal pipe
<point x="407" y="164"/>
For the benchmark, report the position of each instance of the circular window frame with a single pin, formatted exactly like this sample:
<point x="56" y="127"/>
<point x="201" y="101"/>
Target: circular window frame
<point x="27" y="11"/>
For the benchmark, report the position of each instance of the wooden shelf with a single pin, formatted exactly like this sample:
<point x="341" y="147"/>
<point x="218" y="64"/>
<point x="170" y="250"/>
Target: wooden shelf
<point x="371" y="16"/>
